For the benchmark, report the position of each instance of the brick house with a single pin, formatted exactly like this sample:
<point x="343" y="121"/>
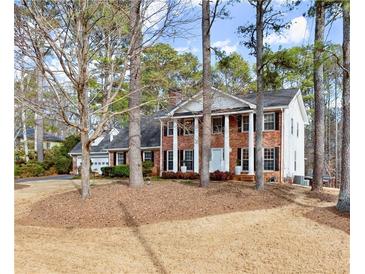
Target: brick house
<point x="171" y="139"/>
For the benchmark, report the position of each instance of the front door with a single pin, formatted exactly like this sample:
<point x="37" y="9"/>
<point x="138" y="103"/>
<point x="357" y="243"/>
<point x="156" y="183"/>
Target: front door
<point x="217" y="159"/>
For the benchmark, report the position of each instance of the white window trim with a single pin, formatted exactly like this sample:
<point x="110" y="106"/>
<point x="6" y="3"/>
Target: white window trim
<point x="168" y="128"/>
<point x="167" y="160"/>
<point x="263" y="120"/>
<point x="222" y="127"/>
<point x="245" y="115"/>
<point x="144" y="155"/>
<point x="192" y="123"/>
<point x="269" y="159"/>
<point x="192" y="159"/>
<point x="248" y="159"/>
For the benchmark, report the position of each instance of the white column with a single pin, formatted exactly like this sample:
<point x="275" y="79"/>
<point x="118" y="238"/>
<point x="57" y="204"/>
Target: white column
<point x="174" y="147"/>
<point x="196" y="145"/>
<point x="250" y="145"/>
<point x="226" y="142"/>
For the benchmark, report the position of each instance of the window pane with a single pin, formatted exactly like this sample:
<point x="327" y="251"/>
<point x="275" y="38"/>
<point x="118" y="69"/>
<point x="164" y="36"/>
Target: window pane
<point x="269" y="121"/>
<point x="217" y="125"/>
<point x="120" y="158"/>
<point x="170" y="128"/>
<point x="269" y="158"/>
<point x="245" y="123"/>
<point x="148" y="156"/>
<point x="188" y="127"/>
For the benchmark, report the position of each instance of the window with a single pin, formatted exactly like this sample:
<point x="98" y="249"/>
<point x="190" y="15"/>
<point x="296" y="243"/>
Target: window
<point x="244" y="159"/>
<point x="147" y="156"/>
<point x="297" y="129"/>
<point x="188" y="127"/>
<point x="245" y="123"/>
<point x="188" y="159"/>
<point x="295" y="160"/>
<point x="269" y="121"/>
<point x="292" y="126"/>
<point x="170" y="128"/>
<point x="269" y="159"/>
<point x="170" y="160"/>
<point x="217" y="124"/>
<point x="120" y="158"/>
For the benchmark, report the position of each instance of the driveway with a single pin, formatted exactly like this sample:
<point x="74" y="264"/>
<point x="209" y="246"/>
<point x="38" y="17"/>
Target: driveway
<point x="45" y="178"/>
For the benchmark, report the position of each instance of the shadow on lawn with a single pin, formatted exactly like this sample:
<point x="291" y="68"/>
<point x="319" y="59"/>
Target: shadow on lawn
<point x="331" y="217"/>
<point x="131" y="222"/>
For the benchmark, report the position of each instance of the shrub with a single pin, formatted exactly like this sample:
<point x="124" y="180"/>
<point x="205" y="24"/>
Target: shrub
<point x="120" y="171"/>
<point x="17" y="170"/>
<point x="31" y="169"/>
<point x="147" y="168"/>
<point x="220" y="175"/>
<point x="106" y="170"/>
<point x="180" y="175"/>
<point x="51" y="171"/>
<point x="63" y="164"/>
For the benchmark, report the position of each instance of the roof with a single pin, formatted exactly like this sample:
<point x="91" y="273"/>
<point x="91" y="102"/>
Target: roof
<point x="150" y="133"/>
<point x="273" y="98"/>
<point x="46" y="136"/>
<point x="99" y="148"/>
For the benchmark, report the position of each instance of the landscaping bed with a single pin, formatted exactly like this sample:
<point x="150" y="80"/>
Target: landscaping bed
<point x="118" y="205"/>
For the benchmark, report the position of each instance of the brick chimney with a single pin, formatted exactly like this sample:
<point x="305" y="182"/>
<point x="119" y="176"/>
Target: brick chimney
<point x="174" y="97"/>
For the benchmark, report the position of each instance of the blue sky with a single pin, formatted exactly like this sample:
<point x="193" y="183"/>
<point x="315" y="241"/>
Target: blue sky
<point x="224" y="34"/>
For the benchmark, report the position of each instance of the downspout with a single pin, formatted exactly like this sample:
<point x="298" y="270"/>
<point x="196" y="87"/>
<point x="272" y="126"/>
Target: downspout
<point x="161" y="134"/>
<point x="282" y="145"/>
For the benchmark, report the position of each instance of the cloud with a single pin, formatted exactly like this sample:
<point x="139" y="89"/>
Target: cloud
<point x="186" y="49"/>
<point x="297" y="32"/>
<point x="155" y="12"/>
<point x="225" y="45"/>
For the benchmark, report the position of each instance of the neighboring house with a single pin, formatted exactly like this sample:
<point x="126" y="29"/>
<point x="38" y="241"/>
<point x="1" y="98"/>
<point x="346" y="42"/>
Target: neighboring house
<point x="49" y="139"/>
<point x="98" y="154"/>
<point x="172" y="139"/>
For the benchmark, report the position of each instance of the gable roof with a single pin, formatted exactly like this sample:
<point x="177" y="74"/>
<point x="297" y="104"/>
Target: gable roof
<point x="46" y="136"/>
<point x="103" y="144"/>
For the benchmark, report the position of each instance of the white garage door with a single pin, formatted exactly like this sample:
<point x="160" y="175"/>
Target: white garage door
<point x="97" y="162"/>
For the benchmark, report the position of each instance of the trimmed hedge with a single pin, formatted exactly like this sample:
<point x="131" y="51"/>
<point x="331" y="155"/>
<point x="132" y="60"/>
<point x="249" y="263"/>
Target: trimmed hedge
<point x="215" y="176"/>
<point x="220" y="175"/>
<point x="120" y="171"/>
<point x="179" y="175"/>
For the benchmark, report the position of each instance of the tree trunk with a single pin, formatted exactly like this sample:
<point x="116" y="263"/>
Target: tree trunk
<point x="38" y="133"/>
<point x="85" y="166"/>
<point x="135" y="159"/>
<point x="319" y="102"/>
<point x="259" y="98"/>
<point x="207" y="95"/>
<point x="343" y="203"/>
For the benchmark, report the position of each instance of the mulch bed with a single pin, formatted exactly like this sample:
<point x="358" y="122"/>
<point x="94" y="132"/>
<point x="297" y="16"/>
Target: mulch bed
<point x="20" y="186"/>
<point x="116" y="205"/>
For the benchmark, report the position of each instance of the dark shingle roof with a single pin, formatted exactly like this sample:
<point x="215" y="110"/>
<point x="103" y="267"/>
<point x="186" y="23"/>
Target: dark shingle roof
<point x="272" y="98"/>
<point x="150" y="131"/>
<point x="46" y="136"/>
<point x="99" y="148"/>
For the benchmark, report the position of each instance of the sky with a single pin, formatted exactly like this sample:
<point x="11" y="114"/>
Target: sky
<point x="224" y="31"/>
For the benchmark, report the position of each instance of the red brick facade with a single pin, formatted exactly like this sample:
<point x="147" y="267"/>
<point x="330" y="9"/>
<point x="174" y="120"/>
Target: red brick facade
<point x="271" y="139"/>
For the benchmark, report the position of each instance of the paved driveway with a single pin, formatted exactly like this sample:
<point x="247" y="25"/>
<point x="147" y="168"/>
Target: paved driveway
<point x="45" y="178"/>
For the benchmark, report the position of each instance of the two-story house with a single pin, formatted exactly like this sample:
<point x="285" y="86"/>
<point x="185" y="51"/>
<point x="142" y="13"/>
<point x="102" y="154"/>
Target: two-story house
<point x="172" y="139"/>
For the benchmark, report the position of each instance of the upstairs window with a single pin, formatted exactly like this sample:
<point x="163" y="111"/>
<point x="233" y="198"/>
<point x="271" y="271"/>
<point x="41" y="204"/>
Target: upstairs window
<point x="245" y="123"/>
<point x="269" y="121"/>
<point x="188" y="127"/>
<point x="297" y="129"/>
<point x="217" y="124"/>
<point x="269" y="158"/>
<point x="170" y="128"/>
<point x="292" y="126"/>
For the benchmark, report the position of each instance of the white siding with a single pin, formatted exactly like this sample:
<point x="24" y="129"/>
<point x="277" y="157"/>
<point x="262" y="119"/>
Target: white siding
<point x="220" y="101"/>
<point x="293" y="143"/>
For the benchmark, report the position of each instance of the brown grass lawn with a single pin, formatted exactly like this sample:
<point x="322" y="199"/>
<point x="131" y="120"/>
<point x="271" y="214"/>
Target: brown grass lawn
<point x="177" y="227"/>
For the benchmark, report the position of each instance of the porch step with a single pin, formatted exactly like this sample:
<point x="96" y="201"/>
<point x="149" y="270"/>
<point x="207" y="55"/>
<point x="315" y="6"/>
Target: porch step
<point x="244" y="178"/>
